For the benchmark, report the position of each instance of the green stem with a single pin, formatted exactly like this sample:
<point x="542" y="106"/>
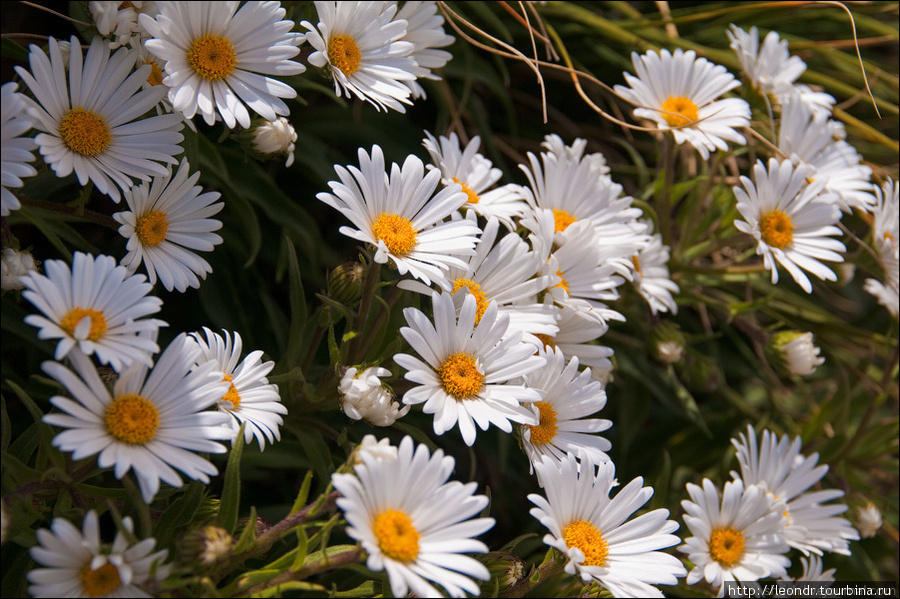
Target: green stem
<point x="77" y="211"/>
<point x="327" y="562"/>
<point x="372" y="278"/>
<point x="665" y="197"/>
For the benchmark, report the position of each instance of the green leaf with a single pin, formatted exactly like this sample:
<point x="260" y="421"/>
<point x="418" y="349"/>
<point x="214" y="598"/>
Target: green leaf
<point x="231" y="491"/>
<point x="248" y="535"/>
<point x="302" y="547"/>
<point x="303" y="494"/>
<point x="299" y="311"/>
<point x="179" y="513"/>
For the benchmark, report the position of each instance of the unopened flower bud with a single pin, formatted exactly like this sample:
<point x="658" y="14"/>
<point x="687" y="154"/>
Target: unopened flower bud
<point x="506" y="569"/>
<point x="364" y="397"/>
<point x="207" y="546"/>
<point x="14" y="264"/>
<point x="795" y="352"/>
<point x="868" y="521"/>
<point x="274" y="138"/>
<point x="378" y="450"/>
<point x="699" y="373"/>
<point x="666" y="343"/>
<point x="345" y="282"/>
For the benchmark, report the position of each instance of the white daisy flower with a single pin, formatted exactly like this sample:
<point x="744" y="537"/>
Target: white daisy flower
<point x="778" y="466"/>
<point x="14" y="265"/>
<point x="414" y="524"/>
<point x="363" y="45"/>
<point x="425" y="29"/>
<point x="569" y="396"/>
<point x="364" y="397"/>
<point x="651" y="278"/>
<point x="152" y="423"/>
<point x="886" y="237"/>
<point x="477" y="175"/>
<point x="220" y="60"/>
<point x="95" y="307"/>
<point x="249" y="399"/>
<point x="590" y="528"/>
<point x="402" y="216"/>
<point x="791" y="220"/>
<point x="817" y="141"/>
<point x="816" y="102"/>
<point x="15" y="150"/>
<point x="377" y="450"/>
<point x="168" y="222"/>
<point x="274" y="138"/>
<point x="91" y="123"/>
<point x="576" y="337"/>
<point x="798" y="352"/>
<point x="119" y="20"/>
<point x="770" y="68"/>
<point x="505" y="273"/>
<point x="678" y="92"/>
<point x="737" y="540"/>
<point x="814" y="570"/>
<point x="77" y="564"/>
<point x="554" y="144"/>
<point x="465" y="377"/>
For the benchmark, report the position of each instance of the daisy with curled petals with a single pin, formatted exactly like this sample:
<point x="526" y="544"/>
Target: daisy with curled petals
<point x="153" y="423"/>
<point x="402" y="216"/>
<point x="589" y="527"/>
<point x="477" y="175"/>
<point x="651" y="276"/>
<point x="220" y="60"/>
<point x="791" y="220"/>
<point x="425" y="29"/>
<point x="94" y="307"/>
<point x="886" y="234"/>
<point x="770" y="68"/>
<point x="167" y="223"/>
<point x="555" y="145"/>
<point x="678" y="92"/>
<point x="15" y="150"/>
<point x="90" y="122"/>
<point x="818" y="142"/>
<point x="413" y="523"/>
<point x="569" y="396"/>
<point x="465" y="377"/>
<point x="778" y="466"/>
<point x="77" y="564"/>
<point x="737" y="540"/>
<point x="250" y="399"/>
<point x="363" y="45"/>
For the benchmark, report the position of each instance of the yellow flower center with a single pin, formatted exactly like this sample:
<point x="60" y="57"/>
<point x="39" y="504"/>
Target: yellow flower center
<point x="100" y="582"/>
<point x="544" y="432"/>
<point x="473" y="197"/>
<point x="475" y="289"/>
<point x="212" y="57"/>
<point x="460" y="376"/>
<point x="776" y="229"/>
<point x="151" y="228"/>
<point x="562" y="281"/>
<point x="343" y="54"/>
<point x="547" y="340"/>
<point x="396" y="232"/>
<point x="397" y="536"/>
<point x="85" y="132"/>
<point x="232" y="394"/>
<point x="679" y="111"/>
<point x="132" y="418"/>
<point x="587" y="537"/>
<point x="637" y="264"/>
<point x="70" y="321"/>
<point x="726" y="546"/>
<point x="156" y="74"/>
<point x="562" y="220"/>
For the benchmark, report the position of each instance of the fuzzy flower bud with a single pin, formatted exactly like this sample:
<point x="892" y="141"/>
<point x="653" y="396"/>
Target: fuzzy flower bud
<point x="345" y="282"/>
<point x="506" y="569"/>
<point x="666" y="343"/>
<point x="364" y="397"/>
<point x="14" y="264"/>
<point x="868" y="521"/>
<point x="274" y="138"/>
<point x="796" y="352"/>
<point x="208" y="545"/>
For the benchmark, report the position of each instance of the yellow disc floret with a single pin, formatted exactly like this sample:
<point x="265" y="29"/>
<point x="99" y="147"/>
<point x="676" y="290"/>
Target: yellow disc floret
<point x="151" y="228"/>
<point x="344" y="54"/>
<point x="562" y="220"/>
<point x="726" y="546"/>
<point x="460" y="376"/>
<point x="397" y="536"/>
<point x="475" y="289"/>
<point x="563" y="283"/>
<point x="232" y="394"/>
<point x="85" y="132"/>
<point x="396" y="232"/>
<point x="70" y="321"/>
<point x="587" y="537"/>
<point x="679" y="111"/>
<point x="101" y="581"/>
<point x="132" y="418"/>
<point x="545" y="431"/>
<point x="212" y="57"/>
<point x="473" y="197"/>
<point x="776" y="229"/>
<point x="156" y="73"/>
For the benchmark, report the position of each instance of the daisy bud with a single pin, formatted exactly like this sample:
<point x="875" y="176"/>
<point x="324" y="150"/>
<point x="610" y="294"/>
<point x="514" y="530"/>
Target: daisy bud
<point x="795" y="352"/>
<point x="667" y="343"/>
<point x="207" y="546"/>
<point x="699" y="372"/>
<point x="506" y="570"/>
<point x="345" y="282"/>
<point x="273" y="138"/>
<point x="868" y="521"/>
<point x="364" y="397"/>
<point x="14" y="264"/>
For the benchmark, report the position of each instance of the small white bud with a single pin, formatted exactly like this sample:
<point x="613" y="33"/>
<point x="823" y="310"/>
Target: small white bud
<point x="276" y="137"/>
<point x="14" y="264"/>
